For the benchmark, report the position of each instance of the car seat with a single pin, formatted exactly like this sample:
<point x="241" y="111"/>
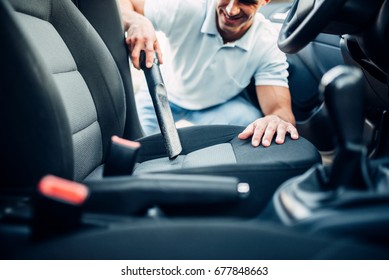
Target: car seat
<point x="44" y="131"/>
<point x="63" y="98"/>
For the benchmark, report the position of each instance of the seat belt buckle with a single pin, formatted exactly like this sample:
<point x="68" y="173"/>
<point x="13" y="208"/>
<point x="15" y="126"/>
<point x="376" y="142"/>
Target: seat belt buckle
<point x="58" y="206"/>
<point x="121" y="157"/>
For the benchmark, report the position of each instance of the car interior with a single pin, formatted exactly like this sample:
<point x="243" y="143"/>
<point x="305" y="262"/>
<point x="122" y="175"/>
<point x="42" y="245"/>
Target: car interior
<point x="79" y="180"/>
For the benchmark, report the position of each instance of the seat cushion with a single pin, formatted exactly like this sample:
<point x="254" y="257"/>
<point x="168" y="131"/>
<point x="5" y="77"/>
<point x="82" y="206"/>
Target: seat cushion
<point x="216" y="150"/>
<point x="220" y="154"/>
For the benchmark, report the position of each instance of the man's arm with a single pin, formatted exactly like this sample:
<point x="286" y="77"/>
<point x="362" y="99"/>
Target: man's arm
<point x="140" y="32"/>
<point x="275" y="102"/>
<point x="132" y="5"/>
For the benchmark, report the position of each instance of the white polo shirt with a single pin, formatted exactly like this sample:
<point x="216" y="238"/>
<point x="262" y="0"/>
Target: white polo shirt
<point x="205" y="71"/>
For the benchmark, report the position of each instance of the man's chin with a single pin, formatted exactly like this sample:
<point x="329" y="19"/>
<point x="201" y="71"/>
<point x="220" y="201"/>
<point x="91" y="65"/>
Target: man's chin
<point x="229" y="29"/>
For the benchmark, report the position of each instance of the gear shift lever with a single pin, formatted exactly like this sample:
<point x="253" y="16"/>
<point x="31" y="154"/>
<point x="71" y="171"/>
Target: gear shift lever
<point x="343" y="88"/>
<point x="344" y="95"/>
<point x="301" y="196"/>
<point x="341" y="200"/>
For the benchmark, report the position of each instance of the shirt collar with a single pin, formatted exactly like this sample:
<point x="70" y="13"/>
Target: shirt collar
<point x="209" y="24"/>
<point x="209" y="27"/>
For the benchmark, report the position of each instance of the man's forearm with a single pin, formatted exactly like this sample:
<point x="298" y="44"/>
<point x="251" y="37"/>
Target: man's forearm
<point x="285" y="114"/>
<point x="276" y="100"/>
<point x="132" y="5"/>
<point x="126" y="11"/>
<point x="125" y="5"/>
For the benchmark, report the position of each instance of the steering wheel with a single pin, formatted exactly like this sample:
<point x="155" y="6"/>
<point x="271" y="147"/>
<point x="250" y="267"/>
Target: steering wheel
<point x="305" y="21"/>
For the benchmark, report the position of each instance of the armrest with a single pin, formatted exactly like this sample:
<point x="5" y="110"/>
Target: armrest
<point x="131" y="195"/>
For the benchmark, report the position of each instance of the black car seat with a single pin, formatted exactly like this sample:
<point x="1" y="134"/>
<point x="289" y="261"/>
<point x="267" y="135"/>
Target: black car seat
<point x="63" y="98"/>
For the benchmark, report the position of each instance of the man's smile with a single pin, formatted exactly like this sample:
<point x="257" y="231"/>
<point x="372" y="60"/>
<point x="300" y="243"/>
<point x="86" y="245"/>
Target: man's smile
<point x="232" y="19"/>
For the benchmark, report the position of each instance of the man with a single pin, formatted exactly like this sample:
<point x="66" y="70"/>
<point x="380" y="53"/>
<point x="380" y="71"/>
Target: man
<point x="217" y="47"/>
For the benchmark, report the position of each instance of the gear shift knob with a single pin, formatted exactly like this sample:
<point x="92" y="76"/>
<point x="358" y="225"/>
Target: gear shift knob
<point x="344" y="89"/>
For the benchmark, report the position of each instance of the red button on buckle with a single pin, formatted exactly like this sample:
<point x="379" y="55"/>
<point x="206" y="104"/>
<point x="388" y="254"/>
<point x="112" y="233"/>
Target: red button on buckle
<point x="62" y="189"/>
<point x="125" y="142"/>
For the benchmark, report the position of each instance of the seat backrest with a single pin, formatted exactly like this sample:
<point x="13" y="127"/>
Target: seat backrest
<point x="62" y="96"/>
<point x="105" y="18"/>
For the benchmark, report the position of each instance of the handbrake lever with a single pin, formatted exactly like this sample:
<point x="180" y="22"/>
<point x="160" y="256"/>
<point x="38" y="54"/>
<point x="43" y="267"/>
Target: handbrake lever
<point x="60" y="203"/>
<point x="133" y="195"/>
<point x="161" y="105"/>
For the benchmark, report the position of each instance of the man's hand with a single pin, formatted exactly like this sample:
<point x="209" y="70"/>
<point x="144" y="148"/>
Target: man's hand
<point x="140" y="33"/>
<point x="141" y="36"/>
<point x="275" y="103"/>
<point x="263" y="130"/>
